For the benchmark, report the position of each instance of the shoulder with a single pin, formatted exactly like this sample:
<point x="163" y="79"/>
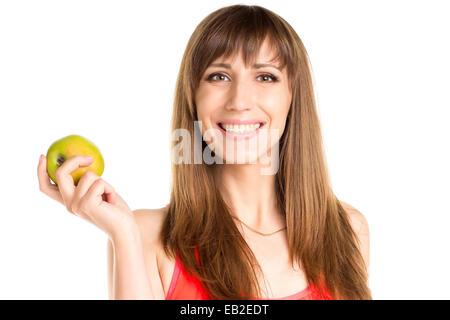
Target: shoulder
<point x="357" y="219"/>
<point x="150" y="222"/>
<point x="361" y="227"/>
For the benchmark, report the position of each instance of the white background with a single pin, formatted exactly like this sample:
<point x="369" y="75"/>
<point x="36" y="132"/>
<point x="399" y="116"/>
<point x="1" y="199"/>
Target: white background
<point x="107" y="70"/>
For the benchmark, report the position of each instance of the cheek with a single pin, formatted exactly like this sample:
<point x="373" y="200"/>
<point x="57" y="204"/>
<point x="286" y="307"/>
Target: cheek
<point x="209" y="93"/>
<point x="282" y="121"/>
<point x="203" y="112"/>
<point x="277" y="109"/>
<point x="278" y="117"/>
<point x="206" y="102"/>
<point x="205" y="115"/>
<point x="276" y="98"/>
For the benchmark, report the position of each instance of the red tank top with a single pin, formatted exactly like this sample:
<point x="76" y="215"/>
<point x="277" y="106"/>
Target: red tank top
<point x="183" y="286"/>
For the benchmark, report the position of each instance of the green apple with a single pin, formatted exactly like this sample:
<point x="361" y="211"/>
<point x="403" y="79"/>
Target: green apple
<point x="70" y="146"/>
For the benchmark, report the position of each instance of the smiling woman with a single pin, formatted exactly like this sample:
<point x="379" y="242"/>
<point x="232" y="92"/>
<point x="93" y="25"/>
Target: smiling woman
<point x="231" y="232"/>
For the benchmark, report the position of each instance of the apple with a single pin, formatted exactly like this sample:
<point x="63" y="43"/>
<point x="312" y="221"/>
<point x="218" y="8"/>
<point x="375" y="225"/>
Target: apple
<point x="70" y="146"/>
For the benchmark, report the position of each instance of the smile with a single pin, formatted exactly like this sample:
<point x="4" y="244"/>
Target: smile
<point x="240" y="129"/>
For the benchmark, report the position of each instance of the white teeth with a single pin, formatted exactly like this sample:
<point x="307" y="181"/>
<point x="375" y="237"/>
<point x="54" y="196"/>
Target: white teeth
<point x="240" y="128"/>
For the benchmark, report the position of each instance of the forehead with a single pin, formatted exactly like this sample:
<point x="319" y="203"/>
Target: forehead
<point x="266" y="53"/>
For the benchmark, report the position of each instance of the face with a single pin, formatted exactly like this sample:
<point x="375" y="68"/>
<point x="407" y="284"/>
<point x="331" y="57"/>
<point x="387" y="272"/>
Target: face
<point x="242" y="111"/>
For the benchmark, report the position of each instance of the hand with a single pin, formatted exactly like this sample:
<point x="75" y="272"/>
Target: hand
<point x="93" y="199"/>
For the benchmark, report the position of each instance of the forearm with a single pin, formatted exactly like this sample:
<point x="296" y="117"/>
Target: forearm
<point x="131" y="280"/>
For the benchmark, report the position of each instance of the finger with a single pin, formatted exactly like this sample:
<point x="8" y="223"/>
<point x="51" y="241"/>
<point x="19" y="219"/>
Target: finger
<point x="86" y="180"/>
<point x="45" y="185"/>
<point x="99" y="191"/>
<point x="64" y="178"/>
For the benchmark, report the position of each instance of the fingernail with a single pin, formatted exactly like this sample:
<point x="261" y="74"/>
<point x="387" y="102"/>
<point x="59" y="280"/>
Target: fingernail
<point x="89" y="158"/>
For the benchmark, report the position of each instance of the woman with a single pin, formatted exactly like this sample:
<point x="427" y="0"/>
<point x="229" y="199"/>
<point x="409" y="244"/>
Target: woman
<point x="231" y="229"/>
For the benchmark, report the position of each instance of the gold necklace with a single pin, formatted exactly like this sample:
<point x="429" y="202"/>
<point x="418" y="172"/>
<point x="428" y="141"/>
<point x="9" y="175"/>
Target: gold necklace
<point x="263" y="234"/>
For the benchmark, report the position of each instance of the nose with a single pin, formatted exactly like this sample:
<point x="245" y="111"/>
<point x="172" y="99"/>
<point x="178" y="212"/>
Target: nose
<point x="241" y="96"/>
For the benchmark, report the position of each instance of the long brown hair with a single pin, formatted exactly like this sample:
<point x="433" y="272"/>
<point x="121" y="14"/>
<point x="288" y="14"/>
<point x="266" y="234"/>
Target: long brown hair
<point x="319" y="232"/>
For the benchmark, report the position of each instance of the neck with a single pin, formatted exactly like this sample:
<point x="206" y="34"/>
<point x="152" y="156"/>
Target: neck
<point x="250" y="195"/>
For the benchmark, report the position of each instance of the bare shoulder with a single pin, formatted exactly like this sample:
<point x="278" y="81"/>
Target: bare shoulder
<point x="361" y="228"/>
<point x="150" y="222"/>
<point x="357" y="219"/>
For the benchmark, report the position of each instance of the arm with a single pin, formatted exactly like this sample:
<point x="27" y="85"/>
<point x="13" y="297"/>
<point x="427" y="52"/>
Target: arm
<point x="128" y="278"/>
<point x="110" y="263"/>
<point x="133" y="271"/>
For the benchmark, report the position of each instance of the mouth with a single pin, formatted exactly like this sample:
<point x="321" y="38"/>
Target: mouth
<point x="240" y="129"/>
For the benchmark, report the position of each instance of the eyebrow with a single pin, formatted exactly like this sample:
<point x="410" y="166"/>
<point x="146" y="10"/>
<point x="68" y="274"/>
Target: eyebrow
<point x="255" y="66"/>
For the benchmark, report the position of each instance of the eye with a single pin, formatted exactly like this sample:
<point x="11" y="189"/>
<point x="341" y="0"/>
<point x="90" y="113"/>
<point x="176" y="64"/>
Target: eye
<point x="212" y="76"/>
<point x="266" y="75"/>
